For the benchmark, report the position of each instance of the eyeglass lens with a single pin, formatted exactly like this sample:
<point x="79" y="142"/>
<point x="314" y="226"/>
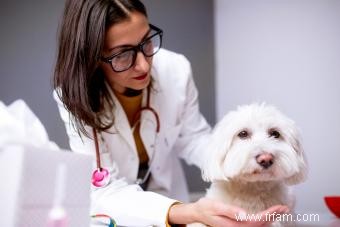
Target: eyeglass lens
<point x="126" y="58"/>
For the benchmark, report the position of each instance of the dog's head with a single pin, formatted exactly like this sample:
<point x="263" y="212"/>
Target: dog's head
<point x="255" y="143"/>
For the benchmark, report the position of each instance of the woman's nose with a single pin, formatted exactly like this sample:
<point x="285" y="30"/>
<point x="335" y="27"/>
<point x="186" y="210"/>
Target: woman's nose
<point x="142" y="64"/>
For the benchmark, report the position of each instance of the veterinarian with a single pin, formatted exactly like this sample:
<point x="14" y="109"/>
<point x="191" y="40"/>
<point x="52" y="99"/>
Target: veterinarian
<point x="134" y="107"/>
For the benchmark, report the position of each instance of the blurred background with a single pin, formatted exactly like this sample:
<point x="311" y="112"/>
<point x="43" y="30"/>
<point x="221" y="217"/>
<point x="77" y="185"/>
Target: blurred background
<point x="283" y="52"/>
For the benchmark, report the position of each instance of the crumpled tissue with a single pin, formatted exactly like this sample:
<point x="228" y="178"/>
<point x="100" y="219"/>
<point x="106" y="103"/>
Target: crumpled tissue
<point x="20" y="126"/>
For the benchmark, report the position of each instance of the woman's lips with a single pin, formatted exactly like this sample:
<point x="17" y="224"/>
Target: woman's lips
<point x="142" y="77"/>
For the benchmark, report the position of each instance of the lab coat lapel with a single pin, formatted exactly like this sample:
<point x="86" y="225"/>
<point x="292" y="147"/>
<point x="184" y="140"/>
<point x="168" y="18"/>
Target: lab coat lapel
<point x="121" y="122"/>
<point x="148" y="129"/>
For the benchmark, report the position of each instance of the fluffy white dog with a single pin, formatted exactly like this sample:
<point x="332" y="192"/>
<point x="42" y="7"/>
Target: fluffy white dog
<point x="253" y="155"/>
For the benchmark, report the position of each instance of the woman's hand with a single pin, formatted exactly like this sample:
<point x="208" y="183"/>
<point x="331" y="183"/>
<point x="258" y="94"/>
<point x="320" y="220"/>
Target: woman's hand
<point x="217" y="214"/>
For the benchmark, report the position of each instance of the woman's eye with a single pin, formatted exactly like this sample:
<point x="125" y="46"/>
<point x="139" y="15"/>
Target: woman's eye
<point x="243" y="134"/>
<point x="274" y="133"/>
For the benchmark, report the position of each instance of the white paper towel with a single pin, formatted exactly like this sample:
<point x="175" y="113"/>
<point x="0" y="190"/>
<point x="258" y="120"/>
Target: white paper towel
<point x="19" y="125"/>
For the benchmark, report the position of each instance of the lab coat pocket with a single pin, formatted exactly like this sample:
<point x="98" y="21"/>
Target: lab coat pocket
<point x="169" y="137"/>
<point x="163" y="159"/>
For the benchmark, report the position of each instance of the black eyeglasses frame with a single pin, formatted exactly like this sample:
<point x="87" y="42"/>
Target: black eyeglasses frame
<point x="137" y="48"/>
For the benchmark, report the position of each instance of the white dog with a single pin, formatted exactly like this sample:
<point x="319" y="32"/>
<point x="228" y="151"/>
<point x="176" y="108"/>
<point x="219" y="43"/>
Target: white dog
<point x="253" y="154"/>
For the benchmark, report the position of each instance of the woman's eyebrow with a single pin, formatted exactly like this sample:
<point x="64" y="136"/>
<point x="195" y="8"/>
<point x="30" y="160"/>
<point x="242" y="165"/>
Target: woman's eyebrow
<point x="130" y="45"/>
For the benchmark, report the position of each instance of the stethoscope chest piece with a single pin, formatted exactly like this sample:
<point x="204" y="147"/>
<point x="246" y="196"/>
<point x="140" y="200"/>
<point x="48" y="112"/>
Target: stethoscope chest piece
<point x="100" y="177"/>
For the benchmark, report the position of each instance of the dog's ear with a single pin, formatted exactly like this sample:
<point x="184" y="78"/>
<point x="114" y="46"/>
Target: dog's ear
<point x="216" y="150"/>
<point x="293" y="138"/>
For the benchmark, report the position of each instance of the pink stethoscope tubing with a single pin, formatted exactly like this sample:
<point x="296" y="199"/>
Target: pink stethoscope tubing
<point x="101" y="176"/>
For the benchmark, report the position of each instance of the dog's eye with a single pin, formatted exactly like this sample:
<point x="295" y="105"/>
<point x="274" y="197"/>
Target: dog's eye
<point x="274" y="133"/>
<point x="243" y="134"/>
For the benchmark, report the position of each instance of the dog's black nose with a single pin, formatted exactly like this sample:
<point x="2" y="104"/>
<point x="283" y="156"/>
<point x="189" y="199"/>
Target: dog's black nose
<point x="265" y="160"/>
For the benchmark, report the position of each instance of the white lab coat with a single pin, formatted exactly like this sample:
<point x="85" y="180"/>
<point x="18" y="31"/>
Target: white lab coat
<point x="183" y="131"/>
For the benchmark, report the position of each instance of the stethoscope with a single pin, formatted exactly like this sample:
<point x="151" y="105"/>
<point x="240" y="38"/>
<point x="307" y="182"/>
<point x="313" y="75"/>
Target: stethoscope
<point x="101" y="176"/>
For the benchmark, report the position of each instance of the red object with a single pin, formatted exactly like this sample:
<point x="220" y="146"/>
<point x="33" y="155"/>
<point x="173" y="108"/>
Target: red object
<point x="333" y="204"/>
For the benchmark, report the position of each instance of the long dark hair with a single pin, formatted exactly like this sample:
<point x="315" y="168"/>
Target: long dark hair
<point x="78" y="80"/>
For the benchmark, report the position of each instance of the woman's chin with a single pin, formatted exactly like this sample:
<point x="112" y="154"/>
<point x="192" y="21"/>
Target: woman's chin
<point x="141" y="84"/>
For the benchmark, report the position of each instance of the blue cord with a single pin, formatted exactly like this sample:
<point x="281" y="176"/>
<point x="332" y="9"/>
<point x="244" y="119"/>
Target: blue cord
<point x="112" y="221"/>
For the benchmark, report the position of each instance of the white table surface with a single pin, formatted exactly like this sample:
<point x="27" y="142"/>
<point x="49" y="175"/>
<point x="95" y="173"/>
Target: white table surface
<point x="325" y="220"/>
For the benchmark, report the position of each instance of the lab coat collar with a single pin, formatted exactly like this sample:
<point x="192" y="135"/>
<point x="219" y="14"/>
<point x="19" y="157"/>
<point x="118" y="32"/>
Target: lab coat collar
<point x="148" y="119"/>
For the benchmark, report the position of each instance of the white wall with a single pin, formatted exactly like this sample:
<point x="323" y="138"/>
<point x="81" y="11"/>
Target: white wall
<point x="287" y="53"/>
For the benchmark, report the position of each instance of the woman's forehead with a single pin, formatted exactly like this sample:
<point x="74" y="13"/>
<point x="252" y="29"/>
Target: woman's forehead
<point x="127" y="32"/>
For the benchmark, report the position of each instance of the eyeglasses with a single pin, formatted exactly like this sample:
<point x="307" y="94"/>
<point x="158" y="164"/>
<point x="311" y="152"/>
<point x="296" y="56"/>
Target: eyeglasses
<point x="126" y="58"/>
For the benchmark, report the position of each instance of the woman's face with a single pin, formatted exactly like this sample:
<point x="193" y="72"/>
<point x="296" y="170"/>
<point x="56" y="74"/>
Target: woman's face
<point x="128" y="32"/>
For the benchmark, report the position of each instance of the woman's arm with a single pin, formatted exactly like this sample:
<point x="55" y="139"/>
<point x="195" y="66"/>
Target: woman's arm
<point x="213" y="213"/>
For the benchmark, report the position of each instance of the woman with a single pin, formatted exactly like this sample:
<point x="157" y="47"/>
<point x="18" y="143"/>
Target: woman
<point x="135" y="105"/>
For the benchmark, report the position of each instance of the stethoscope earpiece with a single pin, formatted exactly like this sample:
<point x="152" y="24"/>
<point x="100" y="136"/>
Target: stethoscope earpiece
<point x="100" y="177"/>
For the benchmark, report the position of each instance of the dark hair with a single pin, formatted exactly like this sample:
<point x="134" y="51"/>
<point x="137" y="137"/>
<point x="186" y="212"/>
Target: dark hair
<point x="78" y="80"/>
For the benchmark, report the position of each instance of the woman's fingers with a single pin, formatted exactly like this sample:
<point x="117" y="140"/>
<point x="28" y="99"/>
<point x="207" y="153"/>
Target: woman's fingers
<point x="234" y="216"/>
<point x="277" y="209"/>
<point x="215" y="213"/>
<point x="231" y="212"/>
